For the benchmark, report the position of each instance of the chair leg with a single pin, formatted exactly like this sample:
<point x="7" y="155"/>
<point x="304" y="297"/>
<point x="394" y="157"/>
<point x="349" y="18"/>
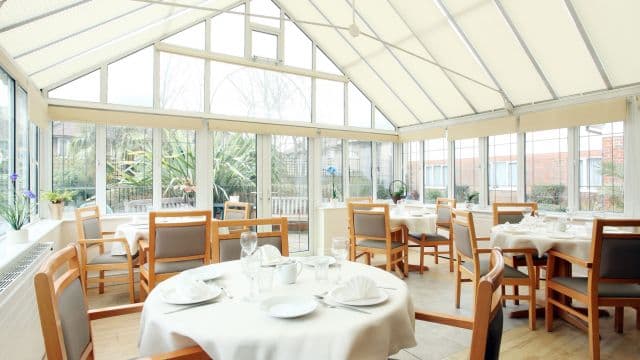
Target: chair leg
<point x="594" y="329"/>
<point x="368" y="256"/>
<point x="436" y="254"/>
<point x="406" y="260"/>
<point x="85" y="281"/>
<point x="450" y="258"/>
<point x="101" y="285"/>
<point x="458" y="281"/>
<point x="532" y="305"/>
<point x="638" y="317"/>
<point x="516" y="292"/>
<point x="132" y="293"/>
<point x="548" y="310"/>
<point x="504" y="292"/>
<point x="618" y="321"/>
<point x="537" y="271"/>
<point x="421" y="259"/>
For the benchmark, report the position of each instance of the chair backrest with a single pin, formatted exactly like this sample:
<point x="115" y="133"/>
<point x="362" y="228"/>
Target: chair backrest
<point x="369" y="221"/>
<point x="444" y="207"/>
<point x="226" y="247"/>
<point x="464" y="236"/>
<point x="615" y="254"/>
<point x="180" y="236"/>
<point x="488" y="319"/>
<point x="236" y="211"/>
<point x="360" y="199"/>
<point x="512" y="212"/>
<point x="88" y="224"/>
<point x="63" y="309"/>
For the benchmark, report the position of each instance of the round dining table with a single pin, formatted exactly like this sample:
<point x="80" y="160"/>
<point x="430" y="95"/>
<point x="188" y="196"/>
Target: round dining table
<point x="576" y="241"/>
<point x="234" y="328"/>
<point x="416" y="222"/>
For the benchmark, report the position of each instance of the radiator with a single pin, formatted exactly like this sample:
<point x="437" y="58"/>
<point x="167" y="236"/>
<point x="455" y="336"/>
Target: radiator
<point x="19" y="320"/>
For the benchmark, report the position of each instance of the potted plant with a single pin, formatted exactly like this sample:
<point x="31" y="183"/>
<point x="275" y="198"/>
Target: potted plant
<point x="331" y="170"/>
<point x="470" y="198"/>
<point x="15" y="210"/>
<point x="397" y="190"/>
<point x="56" y="202"/>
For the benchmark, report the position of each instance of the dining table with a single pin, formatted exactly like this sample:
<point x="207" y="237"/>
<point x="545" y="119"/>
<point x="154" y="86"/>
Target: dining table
<point x="233" y="327"/>
<point x="416" y="221"/>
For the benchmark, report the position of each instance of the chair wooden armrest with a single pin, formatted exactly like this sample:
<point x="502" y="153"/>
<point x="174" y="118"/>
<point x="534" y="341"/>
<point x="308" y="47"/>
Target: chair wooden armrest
<point x="97" y="314"/>
<point x="483" y="251"/>
<point x="143" y="245"/>
<point x="396" y="228"/>
<point x="190" y="353"/>
<point x="108" y="233"/>
<point x="91" y="242"/>
<point x="569" y="258"/>
<point x="445" y="319"/>
<point x="483" y="238"/>
<point x="519" y="251"/>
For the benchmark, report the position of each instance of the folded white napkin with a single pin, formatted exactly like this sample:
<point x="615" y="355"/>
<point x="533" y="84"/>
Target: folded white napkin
<point x="357" y="288"/>
<point x="190" y="288"/>
<point x="270" y="254"/>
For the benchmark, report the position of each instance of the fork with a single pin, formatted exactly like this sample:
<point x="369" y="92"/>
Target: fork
<point x="340" y="306"/>
<point x="226" y="293"/>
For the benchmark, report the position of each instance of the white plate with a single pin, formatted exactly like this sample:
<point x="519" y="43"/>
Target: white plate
<point x="311" y="260"/>
<point x="560" y="235"/>
<point x="204" y="273"/>
<point x="287" y="307"/>
<point x="169" y="295"/>
<point x="363" y="302"/>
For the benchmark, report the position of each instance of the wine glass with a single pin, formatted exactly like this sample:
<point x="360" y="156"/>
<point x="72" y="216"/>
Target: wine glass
<point x="339" y="250"/>
<point x="249" y="241"/>
<point x="250" y="262"/>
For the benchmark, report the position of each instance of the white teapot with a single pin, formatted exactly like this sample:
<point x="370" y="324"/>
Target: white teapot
<point x="288" y="272"/>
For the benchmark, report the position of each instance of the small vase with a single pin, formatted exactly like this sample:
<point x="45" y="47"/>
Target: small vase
<point x="469" y="205"/>
<point x="333" y="202"/>
<point x="56" y="211"/>
<point x="18" y="236"/>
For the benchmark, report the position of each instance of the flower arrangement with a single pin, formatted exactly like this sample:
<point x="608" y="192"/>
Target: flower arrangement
<point x="187" y="186"/>
<point x="15" y="209"/>
<point x="58" y="197"/>
<point x="331" y="170"/>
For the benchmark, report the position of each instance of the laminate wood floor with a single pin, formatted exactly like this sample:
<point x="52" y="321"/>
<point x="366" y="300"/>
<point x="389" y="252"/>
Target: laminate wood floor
<point x="117" y="338"/>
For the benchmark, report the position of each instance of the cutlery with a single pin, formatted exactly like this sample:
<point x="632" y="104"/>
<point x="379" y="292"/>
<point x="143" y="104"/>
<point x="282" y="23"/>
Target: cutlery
<point x="342" y="306"/>
<point x="187" y="307"/>
<point x="387" y="288"/>
<point x="226" y="293"/>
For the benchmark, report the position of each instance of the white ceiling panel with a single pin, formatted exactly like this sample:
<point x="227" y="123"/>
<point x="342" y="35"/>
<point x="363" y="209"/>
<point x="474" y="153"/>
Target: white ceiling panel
<point x="17" y="11"/>
<point x="500" y="50"/>
<point x="555" y="42"/>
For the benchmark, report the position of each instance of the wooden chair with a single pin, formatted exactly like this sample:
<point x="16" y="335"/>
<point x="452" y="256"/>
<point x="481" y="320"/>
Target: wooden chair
<point x="90" y="235"/>
<point x="237" y="211"/>
<point x="443" y="211"/>
<point x="613" y="279"/>
<point x="64" y="315"/>
<point x="470" y="267"/>
<point x="512" y="213"/>
<point x="226" y="247"/>
<point x="360" y="199"/>
<point x="370" y="232"/>
<point x="486" y="324"/>
<point x="175" y="246"/>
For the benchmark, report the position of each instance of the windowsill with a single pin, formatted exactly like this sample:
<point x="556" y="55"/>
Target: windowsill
<point x="37" y="231"/>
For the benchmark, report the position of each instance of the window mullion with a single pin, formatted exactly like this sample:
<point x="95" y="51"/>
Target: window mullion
<point x="346" y="171"/>
<point x="521" y="168"/>
<point x="631" y="150"/>
<point x="157" y="168"/>
<point x="204" y="167"/>
<point x="573" y="162"/>
<point x="101" y="168"/>
<point x="483" y="144"/>
<point x="451" y="161"/>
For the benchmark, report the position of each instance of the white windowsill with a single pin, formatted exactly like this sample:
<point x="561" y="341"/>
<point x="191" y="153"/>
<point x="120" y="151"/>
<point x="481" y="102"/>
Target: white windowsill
<point x="37" y="231"/>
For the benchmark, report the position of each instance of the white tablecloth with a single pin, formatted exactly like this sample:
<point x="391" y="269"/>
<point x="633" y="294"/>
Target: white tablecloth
<point x="543" y="241"/>
<point x="420" y="224"/>
<point x="132" y="233"/>
<point x="236" y="329"/>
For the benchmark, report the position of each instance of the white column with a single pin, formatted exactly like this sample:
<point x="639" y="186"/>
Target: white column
<point x="451" y="161"/>
<point x="101" y="167"/>
<point x="345" y="170"/>
<point x="483" y="144"/>
<point x="631" y="162"/>
<point x="157" y="168"/>
<point x="204" y="167"/>
<point x="573" y="163"/>
<point x="46" y="165"/>
<point x="522" y="185"/>
<point x="314" y="193"/>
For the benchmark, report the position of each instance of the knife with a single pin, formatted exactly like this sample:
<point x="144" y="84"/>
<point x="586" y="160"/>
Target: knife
<point x="187" y="307"/>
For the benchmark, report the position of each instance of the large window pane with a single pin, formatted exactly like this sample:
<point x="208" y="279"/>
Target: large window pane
<point x="602" y="167"/>
<point x="131" y="80"/>
<point x="297" y="47"/>
<point x="329" y="102"/>
<point x="384" y="168"/>
<point x="227" y="33"/>
<point x="192" y="37"/>
<point x="359" y="108"/>
<point x="436" y="171"/>
<point x="331" y="152"/>
<point x="178" y="168"/>
<point x="467" y="170"/>
<point x="264" y="45"/>
<point x="234" y="169"/>
<point x="181" y="82"/>
<point x="6" y="138"/>
<point x="411" y="168"/>
<point x="267" y="8"/>
<point x="22" y="138"/>
<point x="324" y="64"/>
<point x="381" y="122"/>
<point x="360" y="181"/>
<point x="245" y="91"/>
<point x="85" y="88"/>
<point x="74" y="161"/>
<point x="546" y="168"/>
<point x="290" y="187"/>
<point x="129" y="169"/>
<point x="503" y="168"/>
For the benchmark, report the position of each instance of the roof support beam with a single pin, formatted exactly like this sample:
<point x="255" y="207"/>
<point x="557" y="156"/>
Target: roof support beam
<point x="68" y="36"/>
<point x="424" y="46"/>
<point x="41" y="16"/>
<point x="588" y="44"/>
<point x="524" y="46"/>
<point x="454" y="24"/>
<point x="375" y="33"/>
<point x="364" y="60"/>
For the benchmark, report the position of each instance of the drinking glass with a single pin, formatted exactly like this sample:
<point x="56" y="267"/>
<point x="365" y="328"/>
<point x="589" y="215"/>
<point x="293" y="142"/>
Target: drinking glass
<point x="339" y="249"/>
<point x="322" y="269"/>
<point x="250" y="265"/>
<point x="249" y="241"/>
<point x="265" y="278"/>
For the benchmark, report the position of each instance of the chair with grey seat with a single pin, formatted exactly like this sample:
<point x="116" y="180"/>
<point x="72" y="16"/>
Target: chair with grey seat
<point x="470" y="267"/>
<point x="370" y="232"/>
<point x="226" y="245"/>
<point x="613" y="278"/>
<point x="234" y="210"/>
<point x="435" y="240"/>
<point x="181" y="241"/>
<point x="90" y="238"/>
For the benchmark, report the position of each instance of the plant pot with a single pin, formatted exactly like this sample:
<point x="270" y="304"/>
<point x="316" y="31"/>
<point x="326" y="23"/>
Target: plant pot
<point x="18" y="236"/>
<point x="468" y="205"/>
<point x="333" y="202"/>
<point x="56" y="211"/>
<point x="395" y="198"/>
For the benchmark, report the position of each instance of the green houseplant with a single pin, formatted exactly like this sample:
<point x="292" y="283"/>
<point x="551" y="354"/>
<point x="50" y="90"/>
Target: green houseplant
<point x="397" y="190"/>
<point x="15" y="209"/>
<point x="56" y="202"/>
